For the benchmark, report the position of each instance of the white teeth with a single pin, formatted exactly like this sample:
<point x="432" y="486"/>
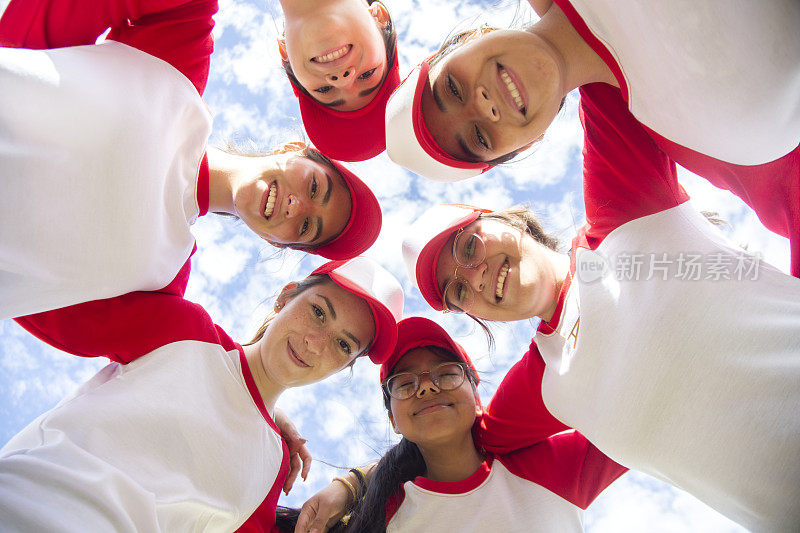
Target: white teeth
<point x="512" y="88"/>
<point x="501" y="280"/>
<point x="273" y="193"/>
<point x="336" y="54"/>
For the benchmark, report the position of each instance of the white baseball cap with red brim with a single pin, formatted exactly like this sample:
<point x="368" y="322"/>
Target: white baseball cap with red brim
<point x="424" y="242"/>
<point x="417" y="332"/>
<point x="382" y="292"/>
<point x="409" y="142"/>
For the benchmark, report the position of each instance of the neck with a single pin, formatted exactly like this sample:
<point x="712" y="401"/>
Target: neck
<point x="223" y="170"/>
<point x="450" y="461"/>
<point x="267" y="388"/>
<point x="560" y="264"/>
<point x="579" y="63"/>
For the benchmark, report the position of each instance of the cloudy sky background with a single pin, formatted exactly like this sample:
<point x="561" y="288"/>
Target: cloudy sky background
<point x="235" y="276"/>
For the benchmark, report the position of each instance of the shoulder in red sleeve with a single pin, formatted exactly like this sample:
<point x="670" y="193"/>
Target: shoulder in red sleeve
<point x="516" y="416"/>
<point x="566" y="464"/>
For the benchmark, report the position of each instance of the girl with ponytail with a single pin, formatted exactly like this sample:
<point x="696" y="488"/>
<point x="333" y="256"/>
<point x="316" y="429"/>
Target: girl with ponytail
<point x="437" y="478"/>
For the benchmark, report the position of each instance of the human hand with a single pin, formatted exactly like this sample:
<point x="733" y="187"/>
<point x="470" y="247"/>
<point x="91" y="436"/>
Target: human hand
<point x="299" y="456"/>
<point x="324" y="509"/>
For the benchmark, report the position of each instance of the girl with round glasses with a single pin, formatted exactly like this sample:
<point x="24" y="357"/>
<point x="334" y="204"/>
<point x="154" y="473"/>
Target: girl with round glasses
<point x="670" y="349"/>
<point x="178" y="432"/>
<point x="438" y="477"/>
<point x="715" y="86"/>
<point x="105" y="165"/>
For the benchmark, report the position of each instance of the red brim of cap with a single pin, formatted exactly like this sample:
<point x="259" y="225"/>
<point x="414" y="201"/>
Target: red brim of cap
<point x="429" y="258"/>
<point x="385" y="325"/>
<point x="416" y="332"/>
<point x="349" y="135"/>
<point x="363" y="226"/>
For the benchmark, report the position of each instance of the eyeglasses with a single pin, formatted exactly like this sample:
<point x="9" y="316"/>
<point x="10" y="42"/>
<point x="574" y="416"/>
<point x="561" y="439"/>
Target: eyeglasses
<point x="469" y="251"/>
<point x="446" y="376"/>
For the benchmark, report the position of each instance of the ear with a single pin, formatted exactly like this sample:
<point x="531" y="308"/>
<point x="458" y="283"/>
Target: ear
<point x="391" y="421"/>
<point x="287" y="293"/>
<point x="282" y="49"/>
<point x="290" y="148"/>
<point x="380" y="14"/>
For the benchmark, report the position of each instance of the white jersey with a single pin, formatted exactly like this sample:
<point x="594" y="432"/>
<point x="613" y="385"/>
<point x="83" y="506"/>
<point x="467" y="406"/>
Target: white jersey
<point x="720" y="77"/>
<point x="645" y="364"/>
<point x="176" y="440"/>
<point x="100" y="154"/>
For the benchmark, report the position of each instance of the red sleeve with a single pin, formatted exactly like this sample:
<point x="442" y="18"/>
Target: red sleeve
<point x="126" y="327"/>
<point x="516" y="416"/>
<point x="625" y="174"/>
<point x="177" y="31"/>
<point x="568" y="465"/>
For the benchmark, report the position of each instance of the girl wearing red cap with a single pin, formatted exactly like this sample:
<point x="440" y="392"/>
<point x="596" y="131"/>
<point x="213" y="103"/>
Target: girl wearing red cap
<point x="177" y="432"/>
<point x="341" y="59"/>
<point x="438" y="477"/>
<point x="105" y="165"/>
<point x="715" y="85"/>
<point x="671" y="350"/>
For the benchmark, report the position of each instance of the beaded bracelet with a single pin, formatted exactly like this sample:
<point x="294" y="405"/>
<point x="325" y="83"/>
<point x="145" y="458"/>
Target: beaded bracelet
<point x="349" y="486"/>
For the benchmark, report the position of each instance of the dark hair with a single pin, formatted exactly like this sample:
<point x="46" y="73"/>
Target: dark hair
<point x="286" y="520"/>
<point x="389" y="35"/>
<point x="403" y="462"/>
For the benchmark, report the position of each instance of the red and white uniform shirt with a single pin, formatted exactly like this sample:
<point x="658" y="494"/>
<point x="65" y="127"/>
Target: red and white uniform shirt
<point x="177" y="439"/>
<point x="99" y="145"/>
<point x="717" y="85"/>
<point x="540" y="488"/>
<point x="672" y="351"/>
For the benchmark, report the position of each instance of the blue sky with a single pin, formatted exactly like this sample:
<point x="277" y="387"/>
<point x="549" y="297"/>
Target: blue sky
<point x="235" y="276"/>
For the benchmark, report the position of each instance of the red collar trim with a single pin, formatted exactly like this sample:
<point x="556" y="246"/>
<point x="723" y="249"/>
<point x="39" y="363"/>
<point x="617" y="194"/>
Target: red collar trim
<point x="458" y="487"/>
<point x="253" y="390"/>
<point x="202" y="192"/>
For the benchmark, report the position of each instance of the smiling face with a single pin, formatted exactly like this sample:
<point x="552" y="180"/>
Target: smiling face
<point x="516" y="279"/>
<point x="432" y="416"/>
<point x="296" y="201"/>
<point x="315" y="334"/>
<point x="493" y="95"/>
<point x="337" y="52"/>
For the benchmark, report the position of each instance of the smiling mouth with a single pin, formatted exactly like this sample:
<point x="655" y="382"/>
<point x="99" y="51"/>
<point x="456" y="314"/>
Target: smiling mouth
<point x="272" y="195"/>
<point x="500" y="287"/>
<point x="333" y="55"/>
<point x="512" y="89"/>
<point x="296" y="358"/>
<point x="432" y="408"/>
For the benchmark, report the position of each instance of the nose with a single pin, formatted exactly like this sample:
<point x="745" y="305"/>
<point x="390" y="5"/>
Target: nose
<point x="426" y="386"/>
<point x="342" y="77"/>
<point x="296" y="206"/>
<point x="485" y="106"/>
<point x="475" y="276"/>
<point x="314" y="342"/>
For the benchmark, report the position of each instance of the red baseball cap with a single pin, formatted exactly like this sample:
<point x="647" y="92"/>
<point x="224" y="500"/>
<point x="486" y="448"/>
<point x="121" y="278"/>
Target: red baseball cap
<point x="424" y="242"/>
<point x="349" y="135"/>
<point x="416" y="332"/>
<point x="382" y="292"/>
<point x="409" y="142"/>
<point x="363" y="226"/>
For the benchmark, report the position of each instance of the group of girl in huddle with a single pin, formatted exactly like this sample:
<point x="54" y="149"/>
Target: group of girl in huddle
<point x="105" y="167"/>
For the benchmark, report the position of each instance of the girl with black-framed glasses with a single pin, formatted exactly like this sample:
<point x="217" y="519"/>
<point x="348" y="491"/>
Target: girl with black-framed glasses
<point x="438" y="477"/>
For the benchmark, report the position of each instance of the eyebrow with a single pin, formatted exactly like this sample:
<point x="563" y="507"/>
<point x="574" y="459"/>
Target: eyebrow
<point x="438" y="98"/>
<point x="336" y="103"/>
<point x="365" y="92"/>
<point x="463" y="144"/>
